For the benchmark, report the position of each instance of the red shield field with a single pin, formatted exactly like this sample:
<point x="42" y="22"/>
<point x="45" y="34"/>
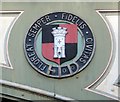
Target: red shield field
<point x="71" y="40"/>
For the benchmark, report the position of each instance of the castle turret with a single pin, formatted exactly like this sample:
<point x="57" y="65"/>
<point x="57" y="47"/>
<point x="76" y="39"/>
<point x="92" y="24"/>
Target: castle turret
<point x="59" y="41"/>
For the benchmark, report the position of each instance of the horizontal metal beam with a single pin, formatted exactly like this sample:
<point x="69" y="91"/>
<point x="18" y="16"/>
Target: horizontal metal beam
<point x="35" y="90"/>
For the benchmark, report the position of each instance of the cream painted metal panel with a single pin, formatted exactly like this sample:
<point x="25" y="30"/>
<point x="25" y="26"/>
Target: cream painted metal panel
<point x="107" y="85"/>
<point x="7" y="20"/>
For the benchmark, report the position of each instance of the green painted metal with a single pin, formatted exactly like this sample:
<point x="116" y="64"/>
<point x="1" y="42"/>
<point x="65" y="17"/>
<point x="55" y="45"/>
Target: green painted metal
<point x="73" y="87"/>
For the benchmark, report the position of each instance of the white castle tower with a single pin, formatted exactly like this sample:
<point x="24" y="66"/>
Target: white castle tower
<point x="59" y="42"/>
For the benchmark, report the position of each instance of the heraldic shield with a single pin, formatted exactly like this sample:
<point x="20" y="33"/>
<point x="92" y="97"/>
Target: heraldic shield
<point x="59" y="42"/>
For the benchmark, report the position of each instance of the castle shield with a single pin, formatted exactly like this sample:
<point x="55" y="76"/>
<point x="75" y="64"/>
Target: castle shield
<point x="59" y="42"/>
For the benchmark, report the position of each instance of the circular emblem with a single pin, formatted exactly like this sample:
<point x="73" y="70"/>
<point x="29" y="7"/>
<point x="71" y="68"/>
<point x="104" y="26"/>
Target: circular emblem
<point x="59" y="45"/>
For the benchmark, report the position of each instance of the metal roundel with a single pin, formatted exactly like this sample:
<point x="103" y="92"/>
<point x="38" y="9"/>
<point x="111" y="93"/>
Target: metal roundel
<point x="59" y="45"/>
